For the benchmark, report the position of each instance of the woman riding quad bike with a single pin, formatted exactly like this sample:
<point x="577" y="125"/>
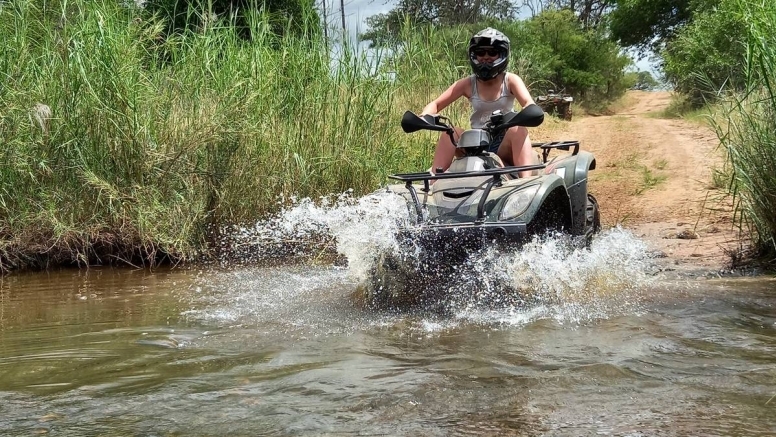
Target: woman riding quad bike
<point x="478" y="203"/>
<point x="487" y="186"/>
<point x="489" y="88"/>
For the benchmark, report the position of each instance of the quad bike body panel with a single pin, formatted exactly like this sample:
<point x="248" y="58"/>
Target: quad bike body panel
<point x="478" y="194"/>
<point x="479" y="203"/>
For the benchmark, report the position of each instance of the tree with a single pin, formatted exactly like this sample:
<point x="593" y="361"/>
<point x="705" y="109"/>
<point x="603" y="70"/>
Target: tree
<point x="589" y="12"/>
<point x="384" y="28"/>
<point x="581" y="61"/>
<point x="642" y="80"/>
<point x="650" y="24"/>
<point x="708" y="54"/>
<point x="699" y="41"/>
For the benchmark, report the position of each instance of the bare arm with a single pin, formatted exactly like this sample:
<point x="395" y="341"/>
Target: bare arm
<point x="519" y="90"/>
<point x="451" y="94"/>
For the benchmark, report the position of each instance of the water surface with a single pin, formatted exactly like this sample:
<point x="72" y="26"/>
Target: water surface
<point x="609" y="343"/>
<point x="286" y="351"/>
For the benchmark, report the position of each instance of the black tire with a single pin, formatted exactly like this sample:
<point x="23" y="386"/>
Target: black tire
<point x="592" y="214"/>
<point x="564" y="111"/>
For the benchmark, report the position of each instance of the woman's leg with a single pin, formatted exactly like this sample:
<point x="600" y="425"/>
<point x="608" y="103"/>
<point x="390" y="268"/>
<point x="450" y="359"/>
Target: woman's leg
<point x="516" y="149"/>
<point x="445" y="151"/>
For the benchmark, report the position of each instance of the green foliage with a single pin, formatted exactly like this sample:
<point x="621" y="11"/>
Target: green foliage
<point x="699" y="41"/>
<point x="641" y="80"/>
<point x="590" y="13"/>
<point x="296" y="16"/>
<point x="551" y="50"/>
<point x="707" y="55"/>
<point x="122" y="141"/>
<point x="112" y="152"/>
<point x="748" y="129"/>
<point x="679" y="106"/>
<point x="443" y="51"/>
<point x="384" y="29"/>
<point x="650" y="24"/>
<point x="581" y="61"/>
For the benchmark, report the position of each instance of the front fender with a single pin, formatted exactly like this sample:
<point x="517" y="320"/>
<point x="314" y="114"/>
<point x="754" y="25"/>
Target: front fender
<point x="574" y="170"/>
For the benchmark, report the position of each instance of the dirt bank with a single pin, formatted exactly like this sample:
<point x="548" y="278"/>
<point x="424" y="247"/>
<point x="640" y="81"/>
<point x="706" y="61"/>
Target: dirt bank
<point x="655" y="177"/>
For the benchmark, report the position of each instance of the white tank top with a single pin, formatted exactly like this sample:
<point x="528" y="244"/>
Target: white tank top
<point x="484" y="108"/>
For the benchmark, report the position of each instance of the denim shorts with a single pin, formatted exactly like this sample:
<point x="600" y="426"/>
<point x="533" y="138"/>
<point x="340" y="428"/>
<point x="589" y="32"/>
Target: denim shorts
<point x="495" y="142"/>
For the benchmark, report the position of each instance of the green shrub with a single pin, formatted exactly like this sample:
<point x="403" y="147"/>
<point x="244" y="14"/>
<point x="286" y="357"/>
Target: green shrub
<point x="152" y="141"/>
<point x="748" y="129"/>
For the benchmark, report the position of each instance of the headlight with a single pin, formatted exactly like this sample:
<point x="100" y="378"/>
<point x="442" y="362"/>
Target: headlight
<point x="518" y="202"/>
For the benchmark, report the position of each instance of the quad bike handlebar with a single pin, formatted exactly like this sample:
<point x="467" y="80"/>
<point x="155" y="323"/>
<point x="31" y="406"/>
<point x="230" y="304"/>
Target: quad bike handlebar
<point x="530" y="116"/>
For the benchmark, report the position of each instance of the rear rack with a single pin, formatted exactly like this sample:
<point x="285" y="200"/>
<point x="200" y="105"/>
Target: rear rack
<point x="409" y="178"/>
<point x="562" y="145"/>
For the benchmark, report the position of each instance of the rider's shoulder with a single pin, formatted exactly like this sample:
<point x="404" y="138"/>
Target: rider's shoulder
<point x="515" y="82"/>
<point x="464" y="81"/>
<point x="463" y="85"/>
<point x="514" y="77"/>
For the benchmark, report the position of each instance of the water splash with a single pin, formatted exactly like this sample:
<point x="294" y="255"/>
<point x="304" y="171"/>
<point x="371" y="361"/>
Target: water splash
<point x="582" y="283"/>
<point x="553" y="277"/>
<point x="292" y="302"/>
<point x="353" y="227"/>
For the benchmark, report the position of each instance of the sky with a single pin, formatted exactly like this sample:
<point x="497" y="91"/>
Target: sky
<point x="357" y="11"/>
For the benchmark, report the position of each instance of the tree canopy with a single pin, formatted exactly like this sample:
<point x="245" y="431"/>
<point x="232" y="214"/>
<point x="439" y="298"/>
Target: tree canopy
<point x="650" y="24"/>
<point x="707" y="54"/>
<point x="590" y="13"/>
<point x="384" y="28"/>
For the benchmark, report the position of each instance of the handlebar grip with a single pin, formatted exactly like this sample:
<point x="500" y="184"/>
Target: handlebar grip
<point x="430" y="119"/>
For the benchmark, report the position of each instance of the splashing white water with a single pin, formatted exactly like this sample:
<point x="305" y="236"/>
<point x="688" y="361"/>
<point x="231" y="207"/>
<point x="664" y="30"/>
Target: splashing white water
<point x="360" y="228"/>
<point x="583" y="283"/>
<point x="615" y="260"/>
<point x="577" y="282"/>
<point x="289" y="297"/>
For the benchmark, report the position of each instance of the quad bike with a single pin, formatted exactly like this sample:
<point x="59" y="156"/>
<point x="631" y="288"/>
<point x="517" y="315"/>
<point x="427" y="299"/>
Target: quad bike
<point x="479" y="203"/>
<point x="556" y="103"/>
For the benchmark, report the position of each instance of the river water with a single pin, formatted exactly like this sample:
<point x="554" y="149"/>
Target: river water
<point x="611" y="345"/>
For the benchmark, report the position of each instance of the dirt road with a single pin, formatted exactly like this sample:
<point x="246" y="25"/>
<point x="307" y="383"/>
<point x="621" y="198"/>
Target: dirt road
<point x="655" y="177"/>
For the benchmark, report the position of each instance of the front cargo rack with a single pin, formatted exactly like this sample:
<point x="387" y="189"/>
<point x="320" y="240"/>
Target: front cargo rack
<point x="496" y="174"/>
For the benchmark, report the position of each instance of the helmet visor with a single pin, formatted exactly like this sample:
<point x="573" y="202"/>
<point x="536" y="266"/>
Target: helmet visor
<point x="486" y="51"/>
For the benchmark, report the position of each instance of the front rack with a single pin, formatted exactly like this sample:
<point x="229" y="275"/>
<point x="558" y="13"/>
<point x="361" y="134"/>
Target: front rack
<point x="496" y="173"/>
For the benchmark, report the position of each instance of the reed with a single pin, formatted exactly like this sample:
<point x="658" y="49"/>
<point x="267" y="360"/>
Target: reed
<point x="121" y="143"/>
<point x="747" y="130"/>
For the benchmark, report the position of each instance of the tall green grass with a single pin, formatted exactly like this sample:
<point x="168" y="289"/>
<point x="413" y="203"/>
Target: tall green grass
<point x="748" y="128"/>
<point x="123" y="144"/>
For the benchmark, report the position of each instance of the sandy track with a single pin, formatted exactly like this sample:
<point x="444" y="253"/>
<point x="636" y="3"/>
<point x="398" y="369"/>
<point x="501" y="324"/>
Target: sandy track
<point x="654" y="176"/>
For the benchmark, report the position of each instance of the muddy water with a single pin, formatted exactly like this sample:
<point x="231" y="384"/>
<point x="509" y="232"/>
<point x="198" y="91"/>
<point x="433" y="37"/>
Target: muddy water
<point x="609" y="343"/>
<point x="286" y="351"/>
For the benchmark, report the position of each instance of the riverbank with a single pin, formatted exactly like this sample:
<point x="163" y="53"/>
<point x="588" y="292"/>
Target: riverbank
<point x="654" y="176"/>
